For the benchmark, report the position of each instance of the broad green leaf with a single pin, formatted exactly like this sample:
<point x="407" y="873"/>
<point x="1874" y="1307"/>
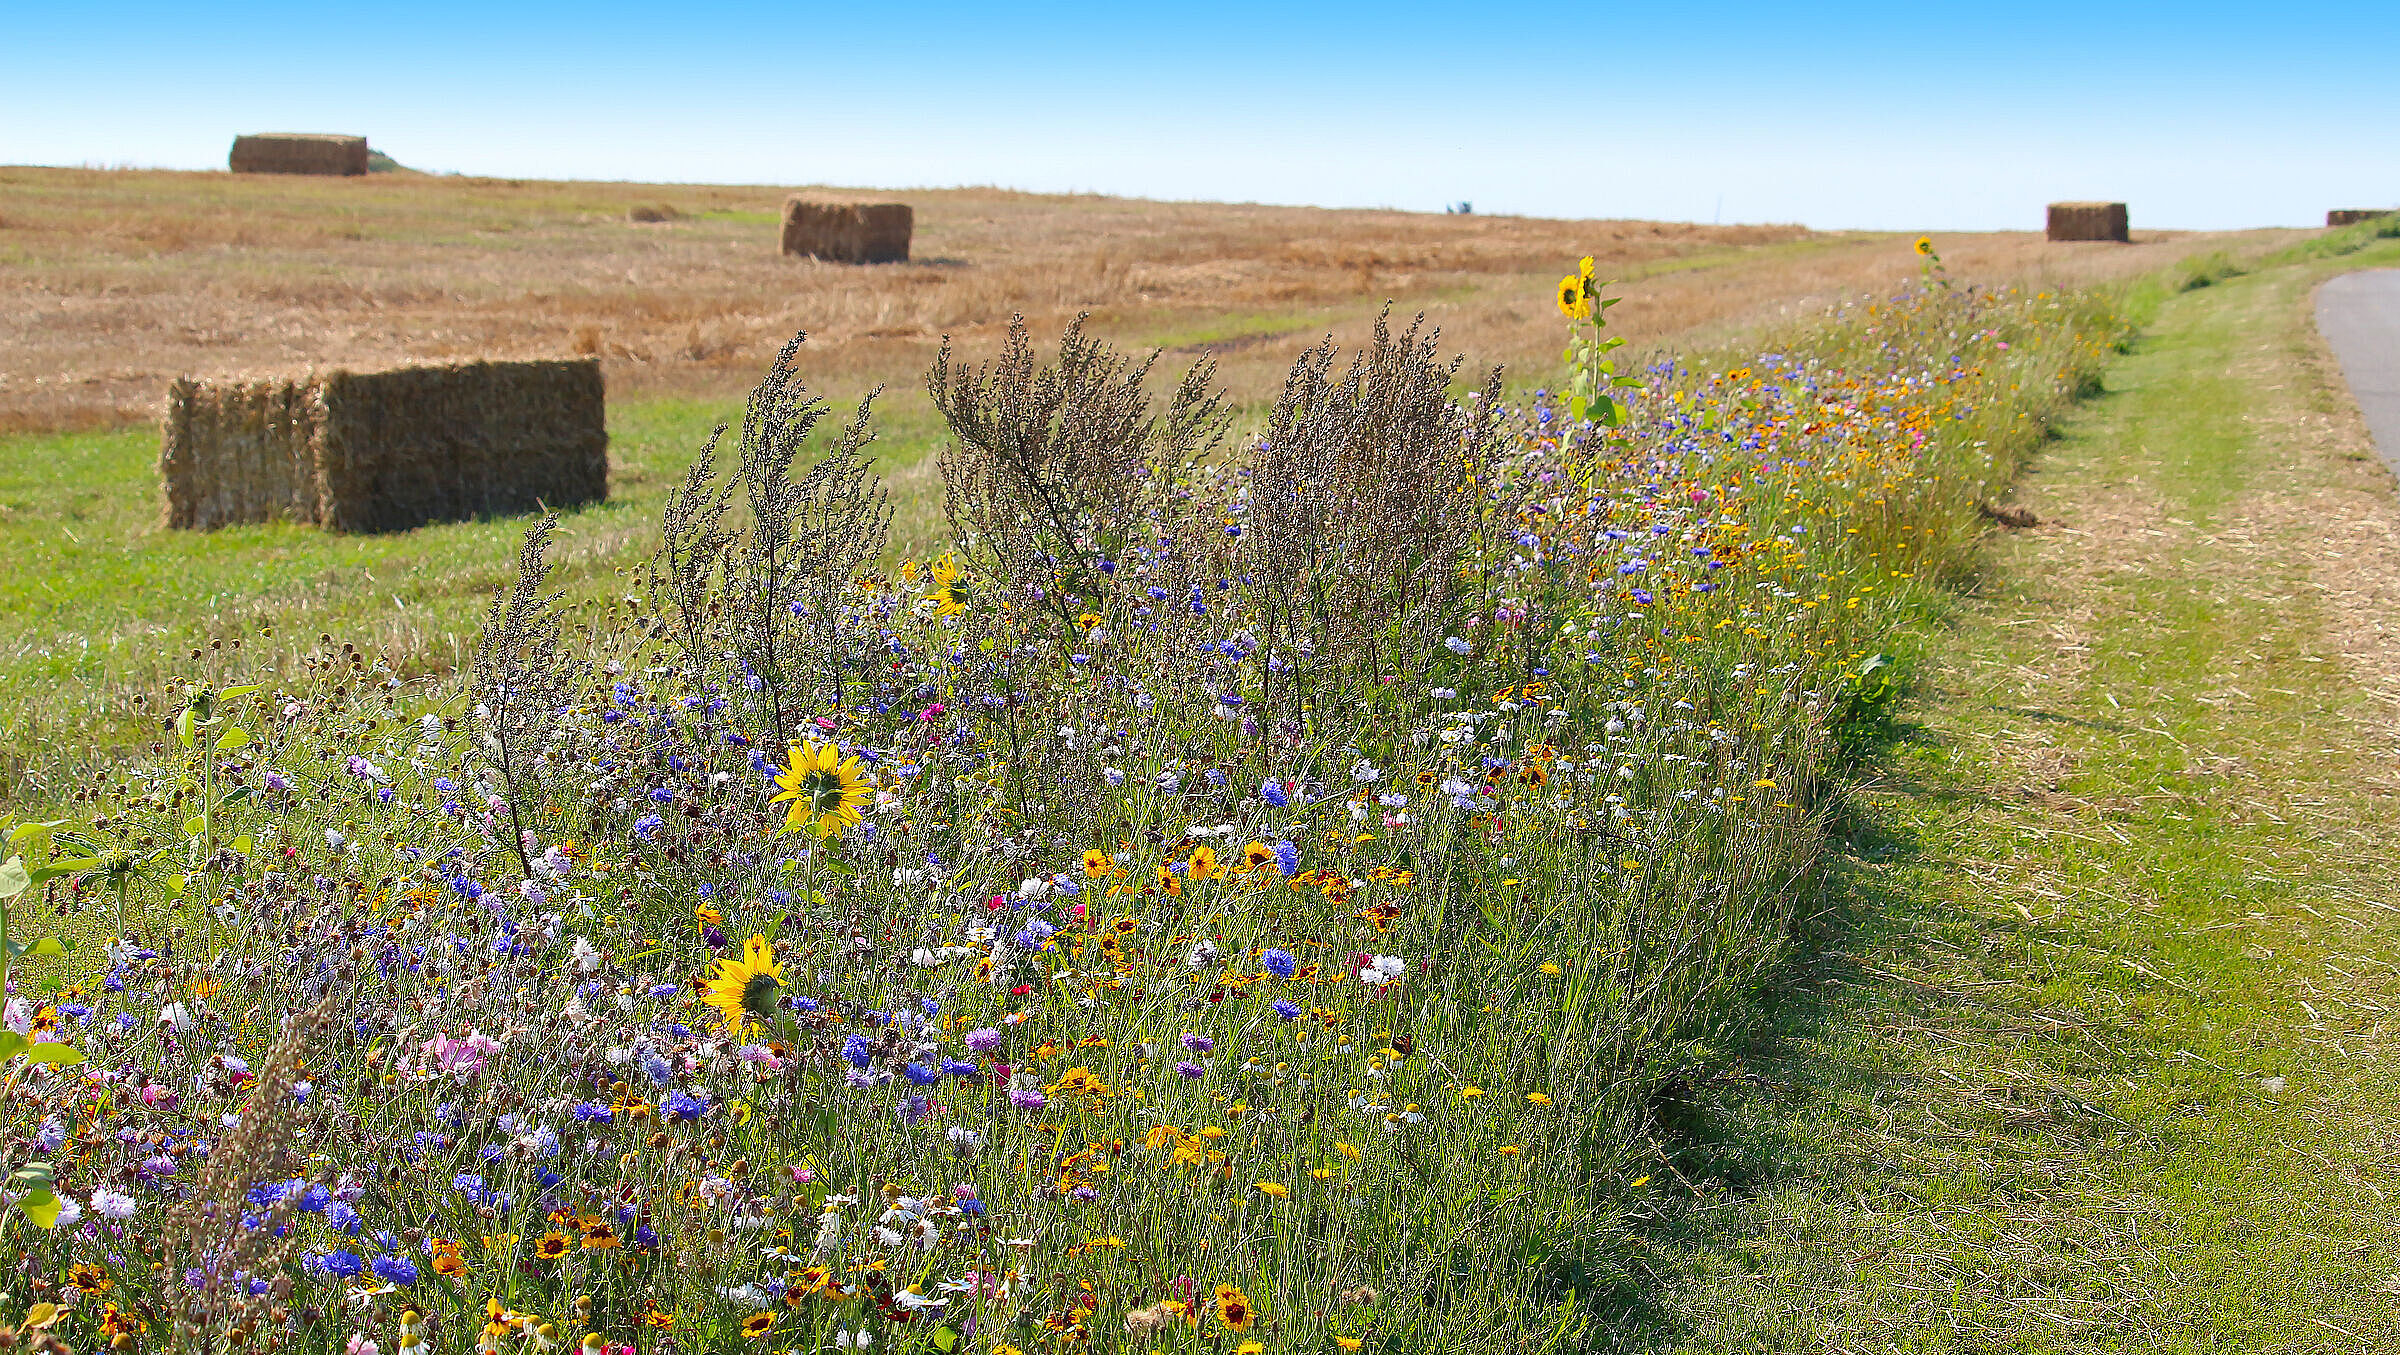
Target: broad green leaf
<point x="175" y="886"/>
<point x="195" y="825"/>
<point x="239" y="794"/>
<point x="183" y="726"/>
<point x="11" y="1044"/>
<point x="231" y="692"/>
<point x="42" y="1207"/>
<point x="944" y="1339"/>
<point x="14" y="878"/>
<point x="48" y="945"/>
<point x="64" y="1055"/>
<point x="236" y="737"/>
<point x="242" y="844"/>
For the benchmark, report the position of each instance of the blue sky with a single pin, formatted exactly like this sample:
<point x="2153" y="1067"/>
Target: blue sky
<point x="1846" y="115"/>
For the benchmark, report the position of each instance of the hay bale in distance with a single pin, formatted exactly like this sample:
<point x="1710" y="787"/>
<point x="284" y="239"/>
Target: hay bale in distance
<point x="2351" y="216"/>
<point x="651" y="215"/>
<point x="385" y="451"/>
<point x="298" y="153"/>
<point x="2089" y="221"/>
<point x="848" y="232"/>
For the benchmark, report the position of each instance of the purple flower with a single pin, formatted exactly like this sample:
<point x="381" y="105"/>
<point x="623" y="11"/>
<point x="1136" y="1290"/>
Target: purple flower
<point x="1026" y="1098"/>
<point x="592" y="1112"/>
<point x="1198" y="1044"/>
<point x="1191" y="1069"/>
<point x="1287" y="859"/>
<point x="983" y="1041"/>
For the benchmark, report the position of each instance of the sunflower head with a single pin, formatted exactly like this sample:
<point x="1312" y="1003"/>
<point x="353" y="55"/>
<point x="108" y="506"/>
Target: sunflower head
<point x="747" y="989"/>
<point x="1925" y="246"/>
<point x="951" y="592"/>
<point x="1574" y="297"/>
<point x="824" y="789"/>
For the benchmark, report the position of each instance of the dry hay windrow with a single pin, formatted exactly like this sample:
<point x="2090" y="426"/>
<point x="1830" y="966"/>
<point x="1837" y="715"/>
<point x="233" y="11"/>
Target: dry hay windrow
<point x="385" y="451"/>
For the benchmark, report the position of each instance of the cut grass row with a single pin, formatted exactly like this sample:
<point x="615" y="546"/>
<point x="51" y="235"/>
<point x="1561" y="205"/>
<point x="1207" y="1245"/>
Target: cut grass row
<point x="2093" y="1051"/>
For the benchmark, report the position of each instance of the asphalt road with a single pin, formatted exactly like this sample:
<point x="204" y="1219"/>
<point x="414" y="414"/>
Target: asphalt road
<point x="2359" y="315"/>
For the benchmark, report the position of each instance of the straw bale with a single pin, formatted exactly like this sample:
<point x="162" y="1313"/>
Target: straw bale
<point x="848" y="232"/>
<point x="2089" y="221"/>
<point x="2351" y="216"/>
<point x="298" y="153"/>
<point x="386" y="451"/>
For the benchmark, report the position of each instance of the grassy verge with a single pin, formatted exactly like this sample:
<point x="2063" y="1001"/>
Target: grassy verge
<point x="2093" y="1051"/>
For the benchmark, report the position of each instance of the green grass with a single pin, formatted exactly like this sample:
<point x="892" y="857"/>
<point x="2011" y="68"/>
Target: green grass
<point x="2091" y="1049"/>
<point x="100" y="605"/>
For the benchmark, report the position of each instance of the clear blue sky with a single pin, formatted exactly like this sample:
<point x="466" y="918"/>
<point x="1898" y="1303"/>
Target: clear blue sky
<point x="1868" y="115"/>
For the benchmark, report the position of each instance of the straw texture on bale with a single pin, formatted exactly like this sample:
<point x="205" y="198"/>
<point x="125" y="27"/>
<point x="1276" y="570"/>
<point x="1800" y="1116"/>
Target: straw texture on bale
<point x="2351" y="216"/>
<point x="2089" y="221"/>
<point x="385" y="451"/>
<point x="298" y="153"/>
<point x="848" y="232"/>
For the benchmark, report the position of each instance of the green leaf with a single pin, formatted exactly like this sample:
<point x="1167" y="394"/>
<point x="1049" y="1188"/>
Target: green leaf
<point x="231" y="692"/>
<point x="183" y="726"/>
<point x="48" y="945"/>
<point x="236" y="737"/>
<point x="63" y="1055"/>
<point x="11" y="1044"/>
<point x="42" y="1207"/>
<point x="239" y="794"/>
<point x="14" y="878"/>
<point x="944" y="1339"/>
<point x="242" y="844"/>
<point x="175" y="886"/>
<point x="195" y="825"/>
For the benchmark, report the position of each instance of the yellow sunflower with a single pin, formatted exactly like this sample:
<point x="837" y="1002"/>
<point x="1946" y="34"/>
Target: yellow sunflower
<point x="824" y="787"/>
<point x="1925" y="245"/>
<point x="1575" y="297"/>
<point x="747" y="989"/>
<point x="951" y="593"/>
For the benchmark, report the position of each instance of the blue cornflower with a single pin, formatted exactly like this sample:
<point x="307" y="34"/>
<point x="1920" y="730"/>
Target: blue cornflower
<point x="1273" y="793"/>
<point x="685" y="1105"/>
<point x="1281" y="963"/>
<point x="342" y="1263"/>
<point x="920" y="1075"/>
<point x="1287" y="1009"/>
<point x="1287" y="859"/>
<point x="397" y="1270"/>
<point x="857" y="1052"/>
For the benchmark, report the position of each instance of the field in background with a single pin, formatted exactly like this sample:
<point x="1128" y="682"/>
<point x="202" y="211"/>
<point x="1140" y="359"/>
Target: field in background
<point x="126" y="279"/>
<point x="121" y="280"/>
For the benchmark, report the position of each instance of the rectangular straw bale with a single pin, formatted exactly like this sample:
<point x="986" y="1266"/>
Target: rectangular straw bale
<point x="240" y="451"/>
<point x="298" y="153"/>
<point x="386" y="451"/>
<point x="429" y="444"/>
<point x="848" y="232"/>
<point x="2351" y="216"/>
<point x="2089" y="221"/>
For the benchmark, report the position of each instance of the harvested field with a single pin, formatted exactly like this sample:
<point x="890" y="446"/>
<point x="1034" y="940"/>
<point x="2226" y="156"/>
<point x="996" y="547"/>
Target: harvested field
<point x="125" y="280"/>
